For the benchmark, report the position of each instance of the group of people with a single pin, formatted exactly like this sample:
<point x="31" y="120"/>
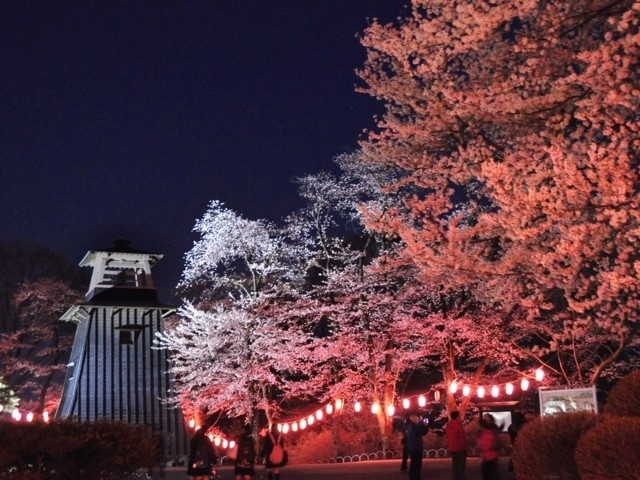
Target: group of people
<point x="488" y="444"/>
<point x="203" y="458"/>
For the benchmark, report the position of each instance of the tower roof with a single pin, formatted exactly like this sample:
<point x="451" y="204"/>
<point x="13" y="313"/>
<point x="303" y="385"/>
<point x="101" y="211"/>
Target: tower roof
<point x="120" y="247"/>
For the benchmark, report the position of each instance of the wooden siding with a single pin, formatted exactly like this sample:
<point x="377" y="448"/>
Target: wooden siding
<point x="127" y="382"/>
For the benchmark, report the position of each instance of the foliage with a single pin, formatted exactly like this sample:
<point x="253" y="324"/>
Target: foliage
<point x="518" y="120"/>
<point x="609" y="451"/>
<point x="8" y="399"/>
<point x="546" y="446"/>
<point x="37" y="287"/>
<point x="229" y="353"/>
<point x="623" y="397"/>
<point x="72" y="450"/>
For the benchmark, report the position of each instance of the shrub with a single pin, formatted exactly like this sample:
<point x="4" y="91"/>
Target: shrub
<point x="66" y="449"/>
<point x="609" y="451"/>
<point x="313" y="447"/>
<point x="623" y="398"/>
<point x="546" y="446"/>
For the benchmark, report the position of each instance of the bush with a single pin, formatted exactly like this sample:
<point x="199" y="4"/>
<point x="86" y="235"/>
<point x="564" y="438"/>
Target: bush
<point x="63" y="450"/>
<point x="609" y="451"/>
<point x="313" y="447"/>
<point x="546" y="446"/>
<point x="623" y="398"/>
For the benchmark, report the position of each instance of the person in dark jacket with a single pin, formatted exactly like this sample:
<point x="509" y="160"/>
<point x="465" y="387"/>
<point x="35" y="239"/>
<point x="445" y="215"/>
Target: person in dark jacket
<point x="457" y="443"/>
<point x="416" y="429"/>
<point x="246" y="459"/>
<point x="272" y="438"/>
<point x="202" y="456"/>
<point x="405" y="452"/>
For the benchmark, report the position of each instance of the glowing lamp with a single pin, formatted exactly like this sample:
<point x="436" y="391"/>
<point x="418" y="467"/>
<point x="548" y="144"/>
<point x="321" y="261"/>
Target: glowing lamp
<point x="319" y="414"/>
<point x="303" y="424"/>
<point x="422" y="401"/>
<point x="45" y="416"/>
<point x="480" y="392"/>
<point x="225" y="443"/>
<point x="338" y="404"/>
<point x="524" y="384"/>
<point x="217" y="441"/>
<point x="210" y="437"/>
<point x="406" y="403"/>
<point x="357" y="406"/>
<point x="16" y="415"/>
<point x="495" y="391"/>
<point x="294" y="426"/>
<point x="1" y="407"/>
<point x="453" y="387"/>
<point x="466" y="390"/>
<point x="30" y="417"/>
<point x="539" y="374"/>
<point x="509" y="388"/>
<point x="329" y="409"/>
<point x="311" y="419"/>
<point x="391" y="410"/>
<point x="436" y="395"/>
<point x="285" y="428"/>
<point x="192" y="423"/>
<point x="375" y="408"/>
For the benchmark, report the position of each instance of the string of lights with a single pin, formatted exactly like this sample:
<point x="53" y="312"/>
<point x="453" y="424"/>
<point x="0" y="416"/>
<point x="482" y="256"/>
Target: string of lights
<point x="336" y="406"/>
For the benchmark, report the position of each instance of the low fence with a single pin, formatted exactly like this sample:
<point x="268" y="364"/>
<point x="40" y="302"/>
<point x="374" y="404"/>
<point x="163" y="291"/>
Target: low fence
<point x="393" y="454"/>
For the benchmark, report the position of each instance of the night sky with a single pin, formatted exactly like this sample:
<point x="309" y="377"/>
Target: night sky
<point x="123" y="119"/>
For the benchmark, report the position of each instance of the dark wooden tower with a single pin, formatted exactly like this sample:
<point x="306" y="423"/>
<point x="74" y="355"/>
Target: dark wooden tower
<point x="114" y="372"/>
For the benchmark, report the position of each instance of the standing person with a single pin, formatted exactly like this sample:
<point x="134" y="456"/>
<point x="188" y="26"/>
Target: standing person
<point x="274" y="453"/>
<point x="202" y="456"/>
<point x="457" y="443"/>
<point x="405" y="452"/>
<point x="518" y="422"/>
<point x="416" y="429"/>
<point x="246" y="459"/>
<point x="488" y="445"/>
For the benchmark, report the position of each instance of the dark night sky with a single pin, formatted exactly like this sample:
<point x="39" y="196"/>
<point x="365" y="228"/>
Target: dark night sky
<point x="125" y="118"/>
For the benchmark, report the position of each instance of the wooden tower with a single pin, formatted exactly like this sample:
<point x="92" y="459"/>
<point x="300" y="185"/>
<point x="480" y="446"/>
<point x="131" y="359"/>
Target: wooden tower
<point x="114" y="372"/>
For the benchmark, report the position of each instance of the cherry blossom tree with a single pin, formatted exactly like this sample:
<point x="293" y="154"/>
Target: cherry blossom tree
<point x="377" y="316"/>
<point x="518" y="120"/>
<point x="229" y="356"/>
<point x="37" y="286"/>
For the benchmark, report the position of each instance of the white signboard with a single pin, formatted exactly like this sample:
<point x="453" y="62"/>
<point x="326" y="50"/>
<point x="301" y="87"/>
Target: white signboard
<point x="571" y="399"/>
